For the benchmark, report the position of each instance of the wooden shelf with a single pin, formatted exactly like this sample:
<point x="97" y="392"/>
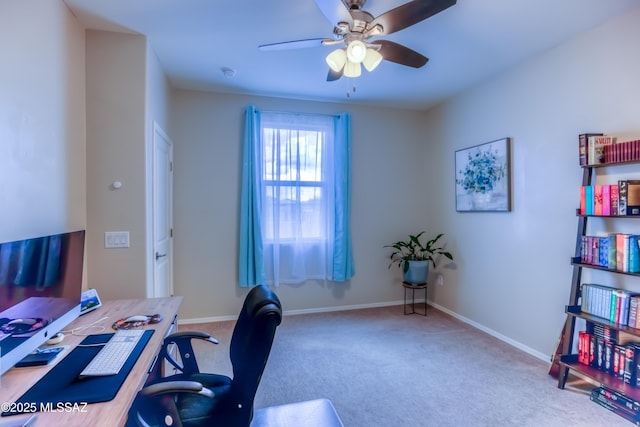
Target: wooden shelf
<point x="571" y="361"/>
<point x="575" y="311"/>
<point x="604" y="165"/>
<point x="576" y="261"/>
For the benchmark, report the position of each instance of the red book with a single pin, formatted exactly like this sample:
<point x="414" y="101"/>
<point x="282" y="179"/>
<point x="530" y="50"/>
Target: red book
<point x="597" y="200"/>
<point x="583" y="200"/>
<point x="613" y="194"/>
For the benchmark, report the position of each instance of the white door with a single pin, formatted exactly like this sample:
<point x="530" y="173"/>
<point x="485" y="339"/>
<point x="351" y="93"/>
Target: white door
<point x="162" y="213"/>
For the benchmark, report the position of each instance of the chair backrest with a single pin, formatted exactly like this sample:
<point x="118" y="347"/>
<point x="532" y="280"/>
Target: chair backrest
<point x="251" y="344"/>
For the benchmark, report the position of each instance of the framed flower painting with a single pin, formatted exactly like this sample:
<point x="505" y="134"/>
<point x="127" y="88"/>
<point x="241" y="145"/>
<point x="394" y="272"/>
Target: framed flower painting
<point x="483" y="177"/>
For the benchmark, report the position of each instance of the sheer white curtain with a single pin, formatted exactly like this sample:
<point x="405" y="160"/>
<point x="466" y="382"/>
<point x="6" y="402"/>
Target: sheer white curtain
<point x="295" y="199"/>
<point x="297" y="196"/>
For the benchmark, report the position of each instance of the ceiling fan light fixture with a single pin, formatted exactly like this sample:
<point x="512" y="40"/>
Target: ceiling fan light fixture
<point x="336" y="60"/>
<point x="372" y="59"/>
<point x="352" y="69"/>
<point x="356" y="51"/>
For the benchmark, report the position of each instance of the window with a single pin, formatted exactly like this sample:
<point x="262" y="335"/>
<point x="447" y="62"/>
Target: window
<point x="290" y="199"/>
<point x="294" y="180"/>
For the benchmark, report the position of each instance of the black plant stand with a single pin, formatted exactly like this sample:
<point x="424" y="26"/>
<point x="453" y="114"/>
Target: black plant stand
<point x="413" y="287"/>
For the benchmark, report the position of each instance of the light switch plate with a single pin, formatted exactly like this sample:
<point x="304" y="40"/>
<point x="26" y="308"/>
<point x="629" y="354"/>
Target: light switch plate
<point x="116" y="239"/>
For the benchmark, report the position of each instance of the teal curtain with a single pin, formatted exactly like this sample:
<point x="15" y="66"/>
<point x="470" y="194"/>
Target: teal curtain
<point x="251" y="260"/>
<point x="343" y="268"/>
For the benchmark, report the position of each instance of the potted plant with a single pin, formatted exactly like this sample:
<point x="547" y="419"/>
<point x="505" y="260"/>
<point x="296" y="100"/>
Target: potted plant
<point x="414" y="257"/>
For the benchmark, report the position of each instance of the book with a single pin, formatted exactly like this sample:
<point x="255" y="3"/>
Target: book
<point x="582" y="146"/>
<point x="595" y="148"/>
<point x="603" y="252"/>
<point x="633" y="311"/>
<point x="597" y="200"/>
<point x="615" y="402"/>
<point x="633" y="197"/>
<point x="618" y="398"/>
<point x="622" y="197"/>
<point x="616" y="410"/>
<point x="622" y="251"/>
<point x="611" y="245"/>
<point x="606" y="200"/>
<point x="634" y="253"/>
<point x="589" y="200"/>
<point x="40" y="356"/>
<point x="613" y="194"/>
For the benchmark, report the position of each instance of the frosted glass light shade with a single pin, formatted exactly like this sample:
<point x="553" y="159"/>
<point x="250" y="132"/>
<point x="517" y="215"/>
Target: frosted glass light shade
<point x="356" y="51"/>
<point x="336" y="60"/>
<point x="352" y="69"/>
<point x="372" y="59"/>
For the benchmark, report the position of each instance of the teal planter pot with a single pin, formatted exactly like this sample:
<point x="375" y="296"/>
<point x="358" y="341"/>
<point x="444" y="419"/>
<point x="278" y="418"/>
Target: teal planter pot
<point x="415" y="271"/>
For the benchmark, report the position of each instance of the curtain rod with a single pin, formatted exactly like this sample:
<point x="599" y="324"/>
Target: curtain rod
<point x="298" y="113"/>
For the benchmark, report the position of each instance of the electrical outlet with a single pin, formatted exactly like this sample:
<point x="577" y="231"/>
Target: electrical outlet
<point x="116" y="239"/>
<point x="440" y="280"/>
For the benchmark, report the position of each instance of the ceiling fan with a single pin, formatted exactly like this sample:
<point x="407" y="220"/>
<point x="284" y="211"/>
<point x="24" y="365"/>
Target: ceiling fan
<point x="353" y="27"/>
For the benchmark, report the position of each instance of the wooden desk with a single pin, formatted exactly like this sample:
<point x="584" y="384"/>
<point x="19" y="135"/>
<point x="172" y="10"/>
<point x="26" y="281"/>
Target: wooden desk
<point x="108" y="414"/>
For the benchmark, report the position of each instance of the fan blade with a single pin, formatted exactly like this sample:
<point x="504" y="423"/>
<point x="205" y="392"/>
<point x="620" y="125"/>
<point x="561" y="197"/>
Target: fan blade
<point x="295" y="44"/>
<point x="333" y="75"/>
<point x="399" y="54"/>
<point x="335" y="11"/>
<point x="409" y="14"/>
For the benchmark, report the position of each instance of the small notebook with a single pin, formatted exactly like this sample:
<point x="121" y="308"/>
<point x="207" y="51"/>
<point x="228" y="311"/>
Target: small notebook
<point x="41" y="356"/>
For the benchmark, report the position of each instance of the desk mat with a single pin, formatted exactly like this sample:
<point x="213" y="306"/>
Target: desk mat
<point x="61" y="384"/>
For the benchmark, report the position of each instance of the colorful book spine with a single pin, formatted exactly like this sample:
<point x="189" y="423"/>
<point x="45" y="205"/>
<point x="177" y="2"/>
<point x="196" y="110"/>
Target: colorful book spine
<point x="622" y="197"/>
<point x="611" y="245"/>
<point x="633" y="311"/>
<point x="613" y="193"/>
<point x="597" y="200"/>
<point x="633" y="197"/>
<point x="589" y="199"/>
<point x="603" y="251"/>
<point x="634" y="254"/>
<point x="606" y="200"/>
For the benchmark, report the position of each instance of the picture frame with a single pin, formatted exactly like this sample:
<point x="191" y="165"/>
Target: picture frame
<point x="483" y="177"/>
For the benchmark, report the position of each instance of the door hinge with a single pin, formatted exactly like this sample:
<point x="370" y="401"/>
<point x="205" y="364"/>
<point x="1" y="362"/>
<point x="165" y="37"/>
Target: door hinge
<point x="170" y="166"/>
<point x="171" y="232"/>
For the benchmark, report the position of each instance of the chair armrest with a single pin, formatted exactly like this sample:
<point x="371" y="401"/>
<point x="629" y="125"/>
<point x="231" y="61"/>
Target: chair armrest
<point x="158" y="400"/>
<point x="182" y="341"/>
<point x="177" y="387"/>
<point x="191" y="334"/>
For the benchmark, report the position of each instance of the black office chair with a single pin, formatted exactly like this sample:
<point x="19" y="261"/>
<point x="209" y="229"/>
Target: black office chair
<point x="191" y="398"/>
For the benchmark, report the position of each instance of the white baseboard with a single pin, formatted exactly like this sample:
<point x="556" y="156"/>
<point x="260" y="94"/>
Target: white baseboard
<point x="516" y="344"/>
<point x="294" y="312"/>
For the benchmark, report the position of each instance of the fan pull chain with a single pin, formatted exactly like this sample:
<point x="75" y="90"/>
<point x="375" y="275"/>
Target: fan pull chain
<point x="353" y="88"/>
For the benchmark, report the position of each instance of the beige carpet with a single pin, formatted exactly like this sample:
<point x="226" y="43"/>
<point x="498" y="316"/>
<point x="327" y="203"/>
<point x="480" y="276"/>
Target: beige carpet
<point x="382" y="368"/>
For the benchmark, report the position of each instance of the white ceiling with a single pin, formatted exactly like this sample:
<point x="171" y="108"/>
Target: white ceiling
<point x="466" y="44"/>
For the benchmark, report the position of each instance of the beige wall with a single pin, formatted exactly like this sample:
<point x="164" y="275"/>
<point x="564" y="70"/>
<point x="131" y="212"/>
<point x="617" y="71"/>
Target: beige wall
<point x="116" y="71"/>
<point x="513" y="273"/>
<point x="42" y="120"/>
<point x="127" y="92"/>
<point x="387" y="201"/>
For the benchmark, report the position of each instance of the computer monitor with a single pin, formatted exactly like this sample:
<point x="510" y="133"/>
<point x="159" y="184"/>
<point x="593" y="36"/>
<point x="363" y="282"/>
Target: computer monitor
<point x="40" y="291"/>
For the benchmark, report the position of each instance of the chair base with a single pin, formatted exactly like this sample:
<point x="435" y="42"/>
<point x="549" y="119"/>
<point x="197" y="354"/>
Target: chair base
<point x="312" y="413"/>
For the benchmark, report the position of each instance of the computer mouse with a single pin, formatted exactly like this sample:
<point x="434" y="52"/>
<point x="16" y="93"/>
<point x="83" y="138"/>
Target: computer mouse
<point x="137" y="319"/>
